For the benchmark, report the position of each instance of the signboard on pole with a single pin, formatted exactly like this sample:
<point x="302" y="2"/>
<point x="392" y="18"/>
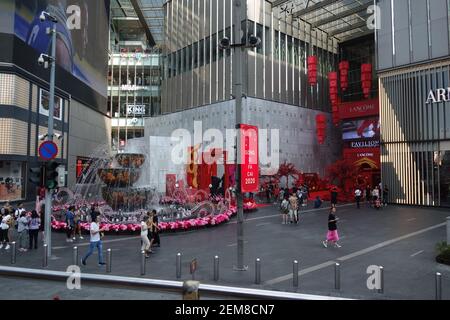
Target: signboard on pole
<point x="48" y="150"/>
<point x="249" y="158"/>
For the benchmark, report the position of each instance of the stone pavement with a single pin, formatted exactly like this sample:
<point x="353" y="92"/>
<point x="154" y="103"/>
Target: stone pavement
<point x="401" y="239"/>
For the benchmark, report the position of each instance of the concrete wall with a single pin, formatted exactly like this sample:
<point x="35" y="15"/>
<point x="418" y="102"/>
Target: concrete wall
<point x="89" y="131"/>
<point x="297" y="129"/>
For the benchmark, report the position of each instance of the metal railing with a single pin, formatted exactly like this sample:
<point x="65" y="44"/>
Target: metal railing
<point x="160" y="285"/>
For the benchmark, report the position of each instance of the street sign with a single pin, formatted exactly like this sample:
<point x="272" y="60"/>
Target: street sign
<point x="48" y="150"/>
<point x="249" y="158"/>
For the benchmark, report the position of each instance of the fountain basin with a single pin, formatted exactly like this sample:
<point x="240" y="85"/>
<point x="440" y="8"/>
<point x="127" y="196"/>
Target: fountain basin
<point x="119" y="178"/>
<point x="130" y="160"/>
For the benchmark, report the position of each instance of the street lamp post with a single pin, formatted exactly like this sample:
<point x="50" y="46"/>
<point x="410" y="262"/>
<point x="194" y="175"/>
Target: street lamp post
<point x="239" y="15"/>
<point x="51" y="110"/>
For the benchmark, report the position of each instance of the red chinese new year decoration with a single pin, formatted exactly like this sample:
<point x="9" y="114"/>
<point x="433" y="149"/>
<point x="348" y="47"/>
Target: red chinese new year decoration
<point x="321" y="124"/>
<point x="312" y="70"/>
<point x="366" y="79"/>
<point x="334" y="96"/>
<point x="344" y="67"/>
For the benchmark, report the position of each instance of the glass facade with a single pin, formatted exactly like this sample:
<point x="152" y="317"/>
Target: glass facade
<point x="134" y="93"/>
<point x="415" y="134"/>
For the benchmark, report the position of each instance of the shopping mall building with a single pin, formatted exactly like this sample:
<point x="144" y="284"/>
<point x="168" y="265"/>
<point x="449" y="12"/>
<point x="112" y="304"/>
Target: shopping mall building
<point x="80" y="116"/>
<point x="413" y="49"/>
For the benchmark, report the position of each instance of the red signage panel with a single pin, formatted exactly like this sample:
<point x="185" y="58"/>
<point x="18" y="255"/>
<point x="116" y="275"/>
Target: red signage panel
<point x="364" y="157"/>
<point x="359" y="109"/>
<point x="249" y="158"/>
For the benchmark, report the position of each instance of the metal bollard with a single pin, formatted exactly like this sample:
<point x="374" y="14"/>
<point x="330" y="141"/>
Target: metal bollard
<point x="45" y="260"/>
<point x="258" y="271"/>
<point x="295" y="273"/>
<point x="216" y="268"/>
<point x="178" y="265"/>
<point x="381" y="290"/>
<point x="75" y="256"/>
<point x="143" y="261"/>
<point x="108" y="260"/>
<point x="337" y="276"/>
<point x="438" y="286"/>
<point x="13" y="253"/>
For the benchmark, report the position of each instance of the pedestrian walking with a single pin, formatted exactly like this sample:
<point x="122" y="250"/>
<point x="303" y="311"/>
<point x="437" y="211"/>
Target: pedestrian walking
<point x="293" y="208"/>
<point x="70" y="224"/>
<point x="22" y="231"/>
<point x="33" y="230"/>
<point x="4" y="228"/>
<point x="368" y="195"/>
<point x="334" y="196"/>
<point x="376" y="198"/>
<point x="332" y="234"/>
<point x="95" y="241"/>
<point x="284" y="211"/>
<point x="385" y="195"/>
<point x="77" y="225"/>
<point x="358" y="194"/>
<point x="157" y="240"/>
<point x="144" y="236"/>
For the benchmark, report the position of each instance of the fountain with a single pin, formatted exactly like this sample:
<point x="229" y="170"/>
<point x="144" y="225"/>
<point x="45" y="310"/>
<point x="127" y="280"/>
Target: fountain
<point x="115" y="184"/>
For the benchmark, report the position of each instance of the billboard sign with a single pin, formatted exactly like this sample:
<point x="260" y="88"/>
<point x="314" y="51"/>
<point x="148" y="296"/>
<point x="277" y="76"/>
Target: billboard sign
<point x="361" y="129"/>
<point x="249" y="158"/>
<point x="359" y="109"/>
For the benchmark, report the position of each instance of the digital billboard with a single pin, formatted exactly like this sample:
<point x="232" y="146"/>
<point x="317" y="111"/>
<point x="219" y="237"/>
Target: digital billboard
<point x="361" y="129"/>
<point x="81" y="47"/>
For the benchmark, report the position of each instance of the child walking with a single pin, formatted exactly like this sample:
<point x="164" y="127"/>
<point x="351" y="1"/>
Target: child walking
<point x="332" y="235"/>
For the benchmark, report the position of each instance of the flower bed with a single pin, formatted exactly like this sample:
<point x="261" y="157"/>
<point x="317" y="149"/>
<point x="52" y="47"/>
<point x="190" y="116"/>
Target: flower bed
<point x="185" y="225"/>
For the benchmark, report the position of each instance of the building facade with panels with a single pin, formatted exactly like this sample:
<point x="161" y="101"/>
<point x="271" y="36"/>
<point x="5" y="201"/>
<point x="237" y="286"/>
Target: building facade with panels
<point x="80" y="103"/>
<point x="197" y="77"/>
<point x="413" y="50"/>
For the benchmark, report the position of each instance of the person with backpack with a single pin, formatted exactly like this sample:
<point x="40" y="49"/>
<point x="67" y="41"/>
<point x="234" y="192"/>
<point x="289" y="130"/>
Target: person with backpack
<point x="4" y="227"/>
<point x="284" y="211"/>
<point x="22" y="231"/>
<point x="33" y="230"/>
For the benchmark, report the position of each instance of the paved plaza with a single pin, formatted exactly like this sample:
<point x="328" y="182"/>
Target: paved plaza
<point x="401" y="239"/>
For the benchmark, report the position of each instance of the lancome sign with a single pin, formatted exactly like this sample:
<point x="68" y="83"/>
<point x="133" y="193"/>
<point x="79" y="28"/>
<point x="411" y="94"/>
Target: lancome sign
<point x="438" y="95"/>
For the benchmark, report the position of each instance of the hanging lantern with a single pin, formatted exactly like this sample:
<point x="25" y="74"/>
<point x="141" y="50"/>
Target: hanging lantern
<point x="366" y="79"/>
<point x="344" y="67"/>
<point x="334" y="96"/>
<point x="321" y="125"/>
<point x="312" y="70"/>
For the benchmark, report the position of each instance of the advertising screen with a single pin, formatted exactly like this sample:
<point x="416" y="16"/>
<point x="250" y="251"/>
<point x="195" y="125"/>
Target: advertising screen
<point x="361" y="129"/>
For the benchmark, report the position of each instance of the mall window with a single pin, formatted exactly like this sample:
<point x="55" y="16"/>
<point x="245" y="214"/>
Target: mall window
<point x="202" y="52"/>
<point x="296" y="52"/>
<point x="268" y="42"/>
<point x="289" y="49"/>
<point x="214" y="47"/>
<point x="12" y="180"/>
<point x="276" y="45"/>
<point x="195" y="52"/>
<point x="220" y="37"/>
<point x="259" y="34"/>
<point x="185" y="59"/>
<point x="228" y="35"/>
<point x="174" y="64"/>
<point x="283" y="46"/>
<point x="207" y="51"/>
<point x="189" y="58"/>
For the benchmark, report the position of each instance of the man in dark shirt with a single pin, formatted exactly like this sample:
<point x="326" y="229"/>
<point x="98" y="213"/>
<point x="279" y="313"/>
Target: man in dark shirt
<point x="334" y="196"/>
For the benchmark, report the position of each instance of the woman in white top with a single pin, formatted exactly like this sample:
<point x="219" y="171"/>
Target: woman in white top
<point x="144" y="236"/>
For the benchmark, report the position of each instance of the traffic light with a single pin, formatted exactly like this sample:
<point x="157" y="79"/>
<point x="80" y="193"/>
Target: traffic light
<point x="37" y="176"/>
<point x="51" y="175"/>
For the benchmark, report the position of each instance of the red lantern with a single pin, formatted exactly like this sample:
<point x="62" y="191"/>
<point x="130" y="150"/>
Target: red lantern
<point x="366" y="79"/>
<point x="334" y="96"/>
<point x="344" y="67"/>
<point x="312" y="70"/>
<point x="321" y="125"/>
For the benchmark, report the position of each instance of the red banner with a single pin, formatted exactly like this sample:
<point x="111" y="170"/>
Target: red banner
<point x="249" y="158"/>
<point x="359" y="109"/>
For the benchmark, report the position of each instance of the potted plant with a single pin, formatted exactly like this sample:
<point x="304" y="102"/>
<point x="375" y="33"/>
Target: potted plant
<point x="443" y="253"/>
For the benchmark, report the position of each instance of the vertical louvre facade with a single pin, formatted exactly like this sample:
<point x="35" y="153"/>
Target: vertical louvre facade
<point x="416" y="135"/>
<point x="197" y="72"/>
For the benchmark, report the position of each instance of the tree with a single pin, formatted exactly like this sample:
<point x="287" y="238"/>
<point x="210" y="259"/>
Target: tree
<point x="342" y="172"/>
<point x="288" y="170"/>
